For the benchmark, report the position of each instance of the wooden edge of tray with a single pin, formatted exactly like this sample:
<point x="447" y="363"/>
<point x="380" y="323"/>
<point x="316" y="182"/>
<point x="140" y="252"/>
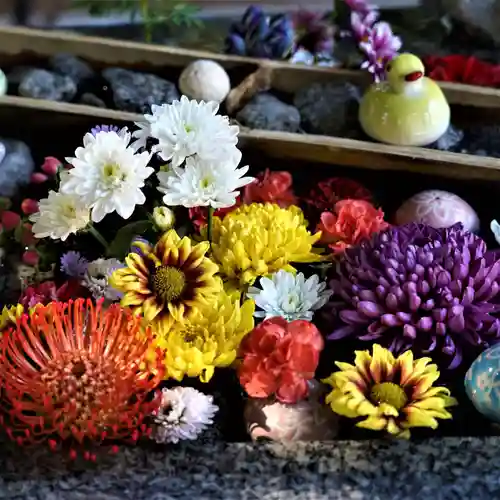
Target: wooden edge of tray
<point x="320" y="149"/>
<point x="285" y="76"/>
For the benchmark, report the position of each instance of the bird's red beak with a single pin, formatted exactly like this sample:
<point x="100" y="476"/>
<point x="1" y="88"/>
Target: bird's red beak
<point x="413" y="77"/>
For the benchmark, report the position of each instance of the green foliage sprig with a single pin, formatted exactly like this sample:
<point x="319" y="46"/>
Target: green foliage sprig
<point x="153" y="12"/>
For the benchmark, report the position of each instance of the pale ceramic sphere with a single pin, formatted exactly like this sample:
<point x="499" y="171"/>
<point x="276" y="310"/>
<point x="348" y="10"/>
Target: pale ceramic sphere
<point x="482" y="383"/>
<point x="3" y="83"/>
<point x="438" y="209"/>
<point x="205" y="80"/>
<point x="308" y="420"/>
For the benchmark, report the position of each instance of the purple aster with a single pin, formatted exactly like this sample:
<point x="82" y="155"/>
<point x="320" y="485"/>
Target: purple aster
<point x="419" y="288"/>
<point x="73" y="264"/>
<point x="379" y="46"/>
<point x="361" y="26"/>
<point x="360" y="6"/>
<point x="104" y="128"/>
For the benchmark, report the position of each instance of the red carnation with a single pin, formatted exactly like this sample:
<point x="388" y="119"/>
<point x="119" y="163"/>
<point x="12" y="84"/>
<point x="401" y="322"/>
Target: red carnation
<point x="463" y="69"/>
<point x="279" y="358"/>
<point x="351" y="222"/>
<point x="271" y="187"/>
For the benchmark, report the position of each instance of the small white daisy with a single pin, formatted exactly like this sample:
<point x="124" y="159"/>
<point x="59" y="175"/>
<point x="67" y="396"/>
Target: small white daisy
<point x="96" y="279"/>
<point x="108" y="174"/>
<point x="203" y="183"/>
<point x="184" y="414"/>
<point x="187" y="127"/>
<point x="288" y="296"/>
<point x="60" y="215"/>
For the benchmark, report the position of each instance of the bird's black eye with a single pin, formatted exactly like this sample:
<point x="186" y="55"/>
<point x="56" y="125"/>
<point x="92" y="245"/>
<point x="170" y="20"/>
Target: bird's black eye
<point x="388" y="67"/>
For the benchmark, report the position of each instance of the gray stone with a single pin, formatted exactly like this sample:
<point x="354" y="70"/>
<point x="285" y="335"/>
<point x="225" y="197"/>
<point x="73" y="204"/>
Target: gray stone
<point x="328" y="108"/>
<point x="479" y="15"/>
<point x="450" y="140"/>
<point x="137" y="92"/>
<point x="16" y="166"/>
<point x="266" y="112"/>
<point x="92" y="100"/>
<point x="43" y="84"/>
<point x="72" y="66"/>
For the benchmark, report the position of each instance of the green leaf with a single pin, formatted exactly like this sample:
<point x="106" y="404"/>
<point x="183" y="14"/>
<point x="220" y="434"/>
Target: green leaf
<point x="120" y="246"/>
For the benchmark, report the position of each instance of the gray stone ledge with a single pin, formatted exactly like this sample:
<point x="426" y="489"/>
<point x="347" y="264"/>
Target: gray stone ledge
<point x="440" y="469"/>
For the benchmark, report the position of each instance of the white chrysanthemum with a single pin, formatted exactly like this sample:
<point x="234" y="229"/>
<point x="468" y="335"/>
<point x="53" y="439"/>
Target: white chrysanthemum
<point x="108" y="174"/>
<point x="60" y="215"/>
<point x="96" y="279"/>
<point x="203" y="183"/>
<point x="288" y="296"/>
<point x="184" y="414"/>
<point x="185" y="128"/>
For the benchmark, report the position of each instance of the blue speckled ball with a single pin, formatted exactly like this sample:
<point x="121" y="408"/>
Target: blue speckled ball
<point x="482" y="383"/>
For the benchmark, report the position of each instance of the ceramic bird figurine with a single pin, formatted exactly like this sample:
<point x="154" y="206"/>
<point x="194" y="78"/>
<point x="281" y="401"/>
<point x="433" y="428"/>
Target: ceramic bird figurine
<point x="408" y="109"/>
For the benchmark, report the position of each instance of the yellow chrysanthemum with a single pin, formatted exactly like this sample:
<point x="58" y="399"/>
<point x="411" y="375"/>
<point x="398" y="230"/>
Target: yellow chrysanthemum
<point x="394" y="394"/>
<point x="259" y="239"/>
<point x="208" y="339"/>
<point x="169" y="281"/>
<point x="9" y="315"/>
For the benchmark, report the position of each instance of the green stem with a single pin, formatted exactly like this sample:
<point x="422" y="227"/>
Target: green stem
<point x="210" y="221"/>
<point x="98" y="236"/>
<point x="148" y="31"/>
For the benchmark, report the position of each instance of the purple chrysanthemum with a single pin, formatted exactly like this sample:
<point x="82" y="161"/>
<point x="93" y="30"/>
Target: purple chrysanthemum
<point x="419" y="288"/>
<point x="104" y="128"/>
<point x="73" y="264"/>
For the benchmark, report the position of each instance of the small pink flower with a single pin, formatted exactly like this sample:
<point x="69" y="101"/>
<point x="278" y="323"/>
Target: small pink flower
<point x="51" y="165"/>
<point x="362" y="25"/>
<point x="29" y="206"/>
<point x="361" y="6"/>
<point x="382" y="45"/>
<point x="38" y="178"/>
<point x="31" y="258"/>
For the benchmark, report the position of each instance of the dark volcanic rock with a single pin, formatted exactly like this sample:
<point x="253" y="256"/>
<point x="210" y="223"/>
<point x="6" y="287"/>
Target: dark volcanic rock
<point x="450" y="140"/>
<point x="91" y="100"/>
<point x="328" y="108"/>
<point x="267" y="112"/>
<point x="72" y="66"/>
<point x="482" y="141"/>
<point x="136" y="92"/>
<point x="16" y="166"/>
<point x="43" y="84"/>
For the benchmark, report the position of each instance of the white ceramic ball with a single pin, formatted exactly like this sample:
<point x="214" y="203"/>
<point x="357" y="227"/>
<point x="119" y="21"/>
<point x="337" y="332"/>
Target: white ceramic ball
<point x="3" y="83"/>
<point x="438" y="209"/>
<point x="205" y="80"/>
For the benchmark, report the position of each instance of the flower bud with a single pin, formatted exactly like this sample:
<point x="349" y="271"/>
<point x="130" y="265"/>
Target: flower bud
<point x="10" y="220"/>
<point x="31" y="258"/>
<point x="51" y="166"/>
<point x="164" y="218"/>
<point x="29" y="206"/>
<point x="38" y="178"/>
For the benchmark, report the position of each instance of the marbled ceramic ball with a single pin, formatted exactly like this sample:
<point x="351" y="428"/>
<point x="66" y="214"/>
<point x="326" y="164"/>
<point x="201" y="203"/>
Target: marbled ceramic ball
<point x="482" y="383"/>
<point x="308" y="420"/>
<point x="438" y="209"/>
<point x="205" y="80"/>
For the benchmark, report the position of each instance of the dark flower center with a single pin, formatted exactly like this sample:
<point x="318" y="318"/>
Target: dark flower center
<point x="168" y="283"/>
<point x="389" y="393"/>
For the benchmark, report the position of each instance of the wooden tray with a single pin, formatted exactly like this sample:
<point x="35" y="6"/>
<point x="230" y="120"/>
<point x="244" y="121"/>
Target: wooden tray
<point x="18" y="45"/>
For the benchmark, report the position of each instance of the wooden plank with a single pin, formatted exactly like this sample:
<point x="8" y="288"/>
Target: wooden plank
<point x="321" y="149"/>
<point x="285" y="77"/>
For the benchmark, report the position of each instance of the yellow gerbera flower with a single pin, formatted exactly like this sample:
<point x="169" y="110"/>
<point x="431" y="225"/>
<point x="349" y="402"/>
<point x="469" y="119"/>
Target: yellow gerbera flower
<point x="259" y="239"/>
<point x="169" y="281"/>
<point x="394" y="394"/>
<point x="9" y="315"/>
<point x="208" y="339"/>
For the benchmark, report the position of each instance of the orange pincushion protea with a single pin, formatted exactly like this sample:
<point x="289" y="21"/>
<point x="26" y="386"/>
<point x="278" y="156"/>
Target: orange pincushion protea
<point x="75" y="374"/>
